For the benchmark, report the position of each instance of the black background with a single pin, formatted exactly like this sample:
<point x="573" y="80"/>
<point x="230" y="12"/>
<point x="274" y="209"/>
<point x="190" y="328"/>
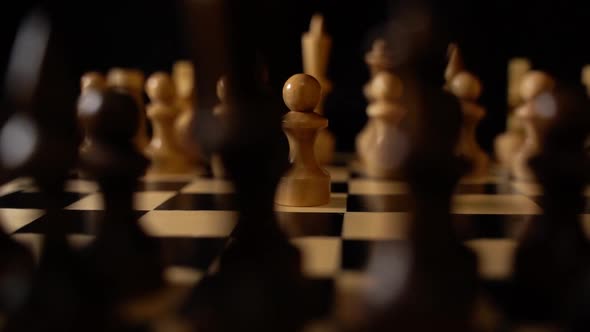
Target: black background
<point x="149" y="35"/>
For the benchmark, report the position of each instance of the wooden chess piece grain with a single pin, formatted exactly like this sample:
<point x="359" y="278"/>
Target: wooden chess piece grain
<point x="534" y="85"/>
<point x="306" y="183"/>
<point x="132" y="81"/>
<point x="316" y="46"/>
<point x="183" y="74"/>
<point x="467" y="88"/>
<point x="164" y="151"/>
<point x="382" y="150"/>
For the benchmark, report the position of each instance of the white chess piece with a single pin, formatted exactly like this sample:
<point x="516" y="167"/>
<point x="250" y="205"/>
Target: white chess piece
<point x="164" y="152"/>
<point x="534" y="86"/>
<point x="468" y="88"/>
<point x="382" y="146"/>
<point x="306" y="183"/>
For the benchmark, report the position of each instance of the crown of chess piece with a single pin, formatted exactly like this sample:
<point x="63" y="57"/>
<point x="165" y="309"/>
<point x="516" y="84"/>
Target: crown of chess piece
<point x="468" y="88"/>
<point x="382" y="146"/>
<point x="164" y="151"/>
<point x="92" y="80"/>
<point x="534" y="86"/>
<point x="132" y="81"/>
<point x="316" y="46"/>
<point x="183" y="74"/>
<point x="306" y="183"/>
<point x="379" y="58"/>
<point x="455" y="64"/>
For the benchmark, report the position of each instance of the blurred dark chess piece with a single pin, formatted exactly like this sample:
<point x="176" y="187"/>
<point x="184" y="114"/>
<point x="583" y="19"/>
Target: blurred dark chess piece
<point x="259" y="283"/>
<point x="438" y="284"/>
<point x="552" y="262"/>
<point x="441" y="284"/>
<point x="61" y="298"/>
<point x="124" y="259"/>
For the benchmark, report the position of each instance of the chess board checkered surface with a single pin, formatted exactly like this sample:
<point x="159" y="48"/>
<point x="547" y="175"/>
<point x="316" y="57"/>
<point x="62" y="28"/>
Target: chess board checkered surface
<point x="193" y="217"/>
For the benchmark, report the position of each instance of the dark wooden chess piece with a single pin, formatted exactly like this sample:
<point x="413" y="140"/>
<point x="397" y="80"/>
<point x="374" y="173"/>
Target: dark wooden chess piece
<point x="61" y="297"/>
<point x="125" y="260"/>
<point x="441" y="283"/>
<point x="552" y="262"/>
<point x="439" y="287"/>
<point x="259" y="283"/>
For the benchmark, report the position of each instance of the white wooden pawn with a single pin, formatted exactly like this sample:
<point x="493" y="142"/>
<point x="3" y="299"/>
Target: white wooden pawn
<point x="533" y="113"/>
<point x="164" y="152"/>
<point x="382" y="146"/>
<point x="468" y="88"/>
<point x="306" y="183"/>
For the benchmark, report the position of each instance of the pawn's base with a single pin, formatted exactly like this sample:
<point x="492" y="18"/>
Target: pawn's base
<point x="303" y="191"/>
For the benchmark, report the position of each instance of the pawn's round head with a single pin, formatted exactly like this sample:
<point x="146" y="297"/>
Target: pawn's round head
<point x="159" y="87"/>
<point x="301" y="93"/>
<point x="466" y="86"/>
<point x="535" y="83"/>
<point x="222" y="88"/>
<point x="385" y="86"/>
<point x="92" y="80"/>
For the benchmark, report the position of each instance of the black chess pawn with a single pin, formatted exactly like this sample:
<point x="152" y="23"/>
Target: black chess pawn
<point x="124" y="259"/>
<point x="440" y="285"/>
<point x="552" y="262"/>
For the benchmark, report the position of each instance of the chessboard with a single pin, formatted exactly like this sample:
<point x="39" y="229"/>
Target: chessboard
<point x="193" y="218"/>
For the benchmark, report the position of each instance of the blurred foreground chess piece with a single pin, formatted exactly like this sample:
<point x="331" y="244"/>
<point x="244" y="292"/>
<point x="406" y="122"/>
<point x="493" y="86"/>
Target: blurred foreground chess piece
<point x="467" y="88"/>
<point x="316" y="46"/>
<point x="508" y="143"/>
<point x="183" y="74"/>
<point x="552" y="262"/>
<point x="132" y="81"/>
<point x="436" y="285"/>
<point x="164" y="151"/>
<point x="124" y="260"/>
<point x="306" y="183"/>
<point x="382" y="145"/>
<point x="535" y="90"/>
<point x="43" y="129"/>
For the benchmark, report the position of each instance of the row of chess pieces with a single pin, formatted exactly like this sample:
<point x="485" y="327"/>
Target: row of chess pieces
<point x="172" y="147"/>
